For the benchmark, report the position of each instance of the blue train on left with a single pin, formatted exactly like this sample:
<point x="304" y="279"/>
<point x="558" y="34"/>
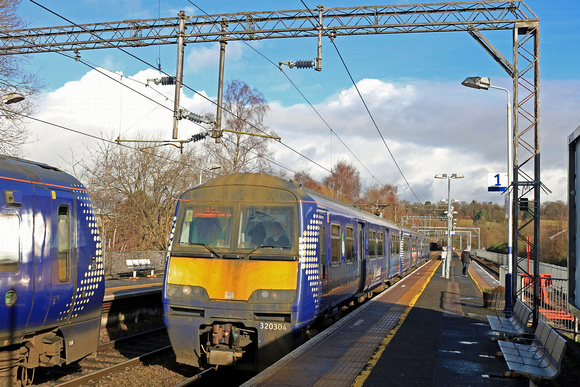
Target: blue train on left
<point x="51" y="270"/>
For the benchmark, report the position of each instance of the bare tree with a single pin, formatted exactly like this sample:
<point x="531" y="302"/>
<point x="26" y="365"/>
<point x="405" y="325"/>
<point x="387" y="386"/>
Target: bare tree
<point x="380" y="199"/>
<point x="244" y="110"/>
<point x="14" y="79"/>
<point x="135" y="191"/>
<point x="307" y="181"/>
<point x="344" y="181"/>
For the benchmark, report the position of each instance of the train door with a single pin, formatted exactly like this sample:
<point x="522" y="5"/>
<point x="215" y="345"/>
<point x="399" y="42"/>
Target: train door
<point x="362" y="262"/>
<point x="323" y="265"/>
<point x="63" y="257"/>
<point x="15" y="263"/>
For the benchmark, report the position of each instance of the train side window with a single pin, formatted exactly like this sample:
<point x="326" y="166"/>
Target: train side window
<point x="335" y="244"/>
<point x="372" y="244"/>
<point x="9" y="242"/>
<point x="63" y="243"/>
<point x="349" y="244"/>
<point x="395" y="245"/>
<point x="380" y="250"/>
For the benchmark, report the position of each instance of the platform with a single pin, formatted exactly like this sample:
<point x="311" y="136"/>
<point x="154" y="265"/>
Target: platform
<point x="123" y="287"/>
<point x="426" y="330"/>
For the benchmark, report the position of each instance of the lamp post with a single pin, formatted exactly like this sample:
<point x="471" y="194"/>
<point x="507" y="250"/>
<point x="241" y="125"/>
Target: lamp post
<point x="212" y="168"/>
<point x="484" y="83"/>
<point x="445" y="272"/>
<point x="12" y="98"/>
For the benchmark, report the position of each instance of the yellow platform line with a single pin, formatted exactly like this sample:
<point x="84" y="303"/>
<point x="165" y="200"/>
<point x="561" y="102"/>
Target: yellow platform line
<point x="412" y="294"/>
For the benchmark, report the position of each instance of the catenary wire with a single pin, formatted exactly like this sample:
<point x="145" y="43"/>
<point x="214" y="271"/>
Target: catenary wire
<point x="185" y="86"/>
<point x="367" y="109"/>
<point x="332" y="131"/>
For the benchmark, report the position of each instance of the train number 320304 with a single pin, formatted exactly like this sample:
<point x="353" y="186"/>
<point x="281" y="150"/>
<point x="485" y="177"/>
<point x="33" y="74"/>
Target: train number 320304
<point x="273" y="326"/>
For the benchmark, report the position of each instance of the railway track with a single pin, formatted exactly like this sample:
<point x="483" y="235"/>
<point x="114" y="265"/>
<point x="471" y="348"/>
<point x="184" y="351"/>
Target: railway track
<point x="490" y="267"/>
<point x="111" y="357"/>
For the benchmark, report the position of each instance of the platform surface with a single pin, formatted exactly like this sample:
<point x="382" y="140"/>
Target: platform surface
<point x="124" y="287"/>
<point x="427" y="330"/>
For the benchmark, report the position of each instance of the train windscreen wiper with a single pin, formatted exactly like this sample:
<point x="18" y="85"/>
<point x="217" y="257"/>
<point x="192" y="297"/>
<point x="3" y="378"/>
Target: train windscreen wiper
<point x="208" y="247"/>
<point x="267" y="247"/>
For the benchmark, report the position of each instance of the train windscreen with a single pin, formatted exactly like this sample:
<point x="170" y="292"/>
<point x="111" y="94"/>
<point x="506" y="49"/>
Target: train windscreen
<point x="207" y="225"/>
<point x="268" y="226"/>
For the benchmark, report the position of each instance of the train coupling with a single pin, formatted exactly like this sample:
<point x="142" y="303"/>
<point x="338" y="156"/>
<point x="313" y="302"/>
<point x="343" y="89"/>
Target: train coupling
<point x="225" y="346"/>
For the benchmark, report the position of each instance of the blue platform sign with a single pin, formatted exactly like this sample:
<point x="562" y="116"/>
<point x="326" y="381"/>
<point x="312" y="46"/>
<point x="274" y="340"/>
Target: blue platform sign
<point x="497" y="182"/>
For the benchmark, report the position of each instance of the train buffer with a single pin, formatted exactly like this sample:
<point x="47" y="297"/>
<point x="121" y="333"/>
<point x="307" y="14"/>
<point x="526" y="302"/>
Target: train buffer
<point x="141" y="264"/>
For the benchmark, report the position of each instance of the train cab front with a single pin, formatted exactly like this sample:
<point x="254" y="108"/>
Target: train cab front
<point x="230" y="293"/>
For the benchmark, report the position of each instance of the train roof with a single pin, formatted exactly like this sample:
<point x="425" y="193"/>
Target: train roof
<point x="27" y="171"/>
<point x="302" y="193"/>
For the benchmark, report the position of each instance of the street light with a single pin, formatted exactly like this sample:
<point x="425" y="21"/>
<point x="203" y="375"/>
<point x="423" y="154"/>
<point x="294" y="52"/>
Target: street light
<point x="484" y="83"/>
<point x="445" y="272"/>
<point x="212" y="168"/>
<point x="12" y="98"/>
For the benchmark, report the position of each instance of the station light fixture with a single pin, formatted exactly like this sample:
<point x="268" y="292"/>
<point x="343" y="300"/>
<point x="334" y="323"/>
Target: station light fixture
<point x="482" y="83"/>
<point x="12" y="98"/>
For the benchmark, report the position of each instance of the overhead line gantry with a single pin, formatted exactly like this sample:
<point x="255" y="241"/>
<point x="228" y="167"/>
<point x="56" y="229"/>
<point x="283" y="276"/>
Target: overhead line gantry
<point x="473" y="17"/>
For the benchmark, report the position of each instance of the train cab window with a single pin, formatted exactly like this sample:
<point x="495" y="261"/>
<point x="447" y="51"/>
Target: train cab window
<point x="268" y="226"/>
<point x="372" y="244"/>
<point x="9" y="242"/>
<point x="349" y="244"/>
<point x="335" y="245"/>
<point x="205" y="225"/>
<point x="380" y="250"/>
<point x="63" y="243"/>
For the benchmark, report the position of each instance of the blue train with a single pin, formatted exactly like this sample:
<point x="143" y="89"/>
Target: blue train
<point x="51" y="270"/>
<point x="256" y="260"/>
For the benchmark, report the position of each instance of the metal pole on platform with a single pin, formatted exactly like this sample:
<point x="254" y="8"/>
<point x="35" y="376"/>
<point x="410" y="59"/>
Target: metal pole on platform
<point x="447" y="260"/>
<point x="484" y="83"/>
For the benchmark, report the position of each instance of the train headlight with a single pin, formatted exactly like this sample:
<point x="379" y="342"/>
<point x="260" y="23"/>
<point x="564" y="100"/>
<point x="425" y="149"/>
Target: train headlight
<point x="187" y="292"/>
<point x="271" y="296"/>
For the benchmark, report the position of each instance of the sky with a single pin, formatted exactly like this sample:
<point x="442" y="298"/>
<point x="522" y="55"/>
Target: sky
<point x="428" y="123"/>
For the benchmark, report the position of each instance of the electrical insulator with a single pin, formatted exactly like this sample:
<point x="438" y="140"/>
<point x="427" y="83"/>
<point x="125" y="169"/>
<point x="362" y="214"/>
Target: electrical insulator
<point x="165" y="81"/>
<point x="183" y="113"/>
<point x="304" y="64"/>
<point x="199" y="136"/>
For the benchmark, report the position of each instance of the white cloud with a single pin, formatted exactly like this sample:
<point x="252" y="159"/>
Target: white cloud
<point x="430" y="127"/>
<point x="96" y="105"/>
<point x="206" y="57"/>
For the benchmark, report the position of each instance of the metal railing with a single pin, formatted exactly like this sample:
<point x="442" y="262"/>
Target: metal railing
<point x="553" y="293"/>
<point x="553" y="307"/>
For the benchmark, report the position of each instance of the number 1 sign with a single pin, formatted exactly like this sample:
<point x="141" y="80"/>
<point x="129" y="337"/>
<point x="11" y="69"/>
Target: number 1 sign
<point x="496" y="182"/>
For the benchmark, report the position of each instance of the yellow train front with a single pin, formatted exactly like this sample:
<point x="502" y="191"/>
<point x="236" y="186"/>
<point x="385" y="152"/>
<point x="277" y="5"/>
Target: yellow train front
<point x="242" y="282"/>
<point x="255" y="260"/>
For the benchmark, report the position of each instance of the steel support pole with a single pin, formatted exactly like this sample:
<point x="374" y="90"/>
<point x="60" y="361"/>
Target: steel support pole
<point x="449" y="220"/>
<point x="179" y="71"/>
<point x="515" y="169"/>
<point x="218" y="120"/>
<point x="537" y="180"/>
